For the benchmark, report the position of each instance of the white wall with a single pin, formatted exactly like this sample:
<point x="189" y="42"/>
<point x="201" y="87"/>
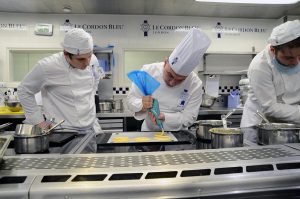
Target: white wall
<point x="124" y="32"/>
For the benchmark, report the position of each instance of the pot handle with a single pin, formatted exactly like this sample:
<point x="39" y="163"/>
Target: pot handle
<point x="53" y="127"/>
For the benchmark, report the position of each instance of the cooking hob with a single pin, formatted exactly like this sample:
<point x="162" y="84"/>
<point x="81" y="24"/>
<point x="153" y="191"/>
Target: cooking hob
<point x="61" y="142"/>
<point x="180" y="140"/>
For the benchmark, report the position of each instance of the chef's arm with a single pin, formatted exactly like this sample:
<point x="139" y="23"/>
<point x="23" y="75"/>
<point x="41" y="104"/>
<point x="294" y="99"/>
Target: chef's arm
<point x="138" y="103"/>
<point x="31" y="85"/>
<point x="97" y="73"/>
<point x="187" y="117"/>
<point x="264" y="90"/>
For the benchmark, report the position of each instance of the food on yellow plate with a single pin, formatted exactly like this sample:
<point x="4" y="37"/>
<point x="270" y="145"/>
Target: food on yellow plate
<point x="162" y="137"/>
<point x="120" y="139"/>
<point x="141" y="139"/>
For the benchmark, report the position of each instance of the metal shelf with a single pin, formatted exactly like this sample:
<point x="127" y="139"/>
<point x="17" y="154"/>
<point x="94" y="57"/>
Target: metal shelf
<point x="242" y="72"/>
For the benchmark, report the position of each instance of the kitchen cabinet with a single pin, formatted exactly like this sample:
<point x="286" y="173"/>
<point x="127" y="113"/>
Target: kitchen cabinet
<point x="225" y="70"/>
<point x="227" y="63"/>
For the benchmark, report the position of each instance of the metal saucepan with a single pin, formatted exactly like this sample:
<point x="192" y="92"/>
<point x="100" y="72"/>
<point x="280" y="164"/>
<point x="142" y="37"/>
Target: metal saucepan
<point x="203" y="127"/>
<point x="277" y="133"/>
<point x="32" y="139"/>
<point x="226" y="137"/>
<point x="105" y="106"/>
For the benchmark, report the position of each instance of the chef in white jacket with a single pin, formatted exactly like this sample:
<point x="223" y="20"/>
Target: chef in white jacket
<point x="180" y="91"/>
<point x="68" y="81"/>
<point x="274" y="76"/>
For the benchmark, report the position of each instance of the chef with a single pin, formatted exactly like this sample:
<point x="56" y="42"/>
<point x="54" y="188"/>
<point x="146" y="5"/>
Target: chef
<point x="274" y="76"/>
<point x="180" y="91"/>
<point x="68" y="81"/>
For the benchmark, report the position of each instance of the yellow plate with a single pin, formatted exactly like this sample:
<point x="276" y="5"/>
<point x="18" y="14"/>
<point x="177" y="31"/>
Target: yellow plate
<point x="5" y="111"/>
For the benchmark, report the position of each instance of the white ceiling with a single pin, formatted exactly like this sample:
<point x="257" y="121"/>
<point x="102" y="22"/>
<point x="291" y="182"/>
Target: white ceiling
<point x="151" y="7"/>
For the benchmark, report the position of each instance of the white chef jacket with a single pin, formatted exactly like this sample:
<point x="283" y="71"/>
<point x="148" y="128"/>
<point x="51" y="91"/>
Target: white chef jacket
<point x="273" y="93"/>
<point x="67" y="93"/>
<point x="180" y="104"/>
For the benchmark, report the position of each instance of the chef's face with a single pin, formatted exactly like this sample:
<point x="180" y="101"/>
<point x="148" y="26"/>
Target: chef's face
<point x="170" y="77"/>
<point x="289" y="57"/>
<point x="79" y="61"/>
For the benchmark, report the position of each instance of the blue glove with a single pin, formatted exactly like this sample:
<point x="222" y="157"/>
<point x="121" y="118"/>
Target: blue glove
<point x="156" y="112"/>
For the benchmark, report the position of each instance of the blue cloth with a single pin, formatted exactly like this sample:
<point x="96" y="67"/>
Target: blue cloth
<point x="144" y="81"/>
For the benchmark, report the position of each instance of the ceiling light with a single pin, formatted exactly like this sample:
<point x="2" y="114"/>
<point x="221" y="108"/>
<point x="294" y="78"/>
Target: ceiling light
<point x="67" y="9"/>
<point x="252" y="1"/>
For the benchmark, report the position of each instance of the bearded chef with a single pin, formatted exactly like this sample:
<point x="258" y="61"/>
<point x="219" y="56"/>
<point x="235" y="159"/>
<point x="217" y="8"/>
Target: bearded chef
<point x="68" y="81"/>
<point x="180" y="91"/>
<point x="274" y="79"/>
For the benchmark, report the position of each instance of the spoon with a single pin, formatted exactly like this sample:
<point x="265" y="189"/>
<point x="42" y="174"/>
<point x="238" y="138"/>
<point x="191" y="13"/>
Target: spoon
<point x="224" y="118"/>
<point x="263" y="117"/>
<point x="49" y="130"/>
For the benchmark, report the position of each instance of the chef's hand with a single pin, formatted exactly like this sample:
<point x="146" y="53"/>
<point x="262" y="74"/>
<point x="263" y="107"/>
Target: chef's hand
<point x="45" y="124"/>
<point x="152" y="117"/>
<point x="147" y="102"/>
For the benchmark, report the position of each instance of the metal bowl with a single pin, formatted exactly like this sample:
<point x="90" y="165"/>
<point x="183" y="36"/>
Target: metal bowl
<point x="207" y="100"/>
<point x="13" y="106"/>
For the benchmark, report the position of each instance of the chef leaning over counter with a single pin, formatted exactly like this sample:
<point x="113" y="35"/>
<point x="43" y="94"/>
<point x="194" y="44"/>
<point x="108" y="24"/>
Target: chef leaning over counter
<point x="180" y="93"/>
<point x="274" y="76"/>
<point x="68" y="81"/>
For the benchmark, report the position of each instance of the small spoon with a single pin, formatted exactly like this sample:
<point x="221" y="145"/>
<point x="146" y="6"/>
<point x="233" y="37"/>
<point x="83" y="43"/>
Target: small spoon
<point x="224" y="118"/>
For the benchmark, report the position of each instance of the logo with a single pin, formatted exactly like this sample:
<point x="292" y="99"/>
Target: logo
<point x="219" y="29"/>
<point x="174" y="61"/>
<point x="67" y="25"/>
<point x="145" y="27"/>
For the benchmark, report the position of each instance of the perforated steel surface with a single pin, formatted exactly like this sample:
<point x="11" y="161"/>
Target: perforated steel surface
<point x="143" y="159"/>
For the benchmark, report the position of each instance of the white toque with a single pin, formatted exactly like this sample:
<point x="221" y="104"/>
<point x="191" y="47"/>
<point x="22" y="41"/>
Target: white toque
<point x="77" y="42"/>
<point x="187" y="55"/>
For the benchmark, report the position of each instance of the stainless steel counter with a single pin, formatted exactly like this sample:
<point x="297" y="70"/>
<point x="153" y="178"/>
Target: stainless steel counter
<point x="116" y="114"/>
<point x="202" y="111"/>
<point x="218" y="111"/>
<point x="262" y="171"/>
<point x="12" y="116"/>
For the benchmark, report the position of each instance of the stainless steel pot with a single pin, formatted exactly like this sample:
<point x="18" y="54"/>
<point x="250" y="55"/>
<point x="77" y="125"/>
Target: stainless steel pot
<point x="203" y="127"/>
<point x="117" y="105"/>
<point x="105" y="106"/>
<point x="32" y="139"/>
<point x="277" y="133"/>
<point x="34" y="144"/>
<point x="226" y="137"/>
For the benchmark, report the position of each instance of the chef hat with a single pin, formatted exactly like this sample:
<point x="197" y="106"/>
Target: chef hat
<point x="187" y="55"/>
<point x="77" y="42"/>
<point x="285" y="33"/>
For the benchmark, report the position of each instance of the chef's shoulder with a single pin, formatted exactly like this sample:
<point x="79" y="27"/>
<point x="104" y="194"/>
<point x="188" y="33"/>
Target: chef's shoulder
<point x="261" y="62"/>
<point x="55" y="61"/>
<point x="94" y="60"/>
<point x="194" y="80"/>
<point x="154" y="69"/>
